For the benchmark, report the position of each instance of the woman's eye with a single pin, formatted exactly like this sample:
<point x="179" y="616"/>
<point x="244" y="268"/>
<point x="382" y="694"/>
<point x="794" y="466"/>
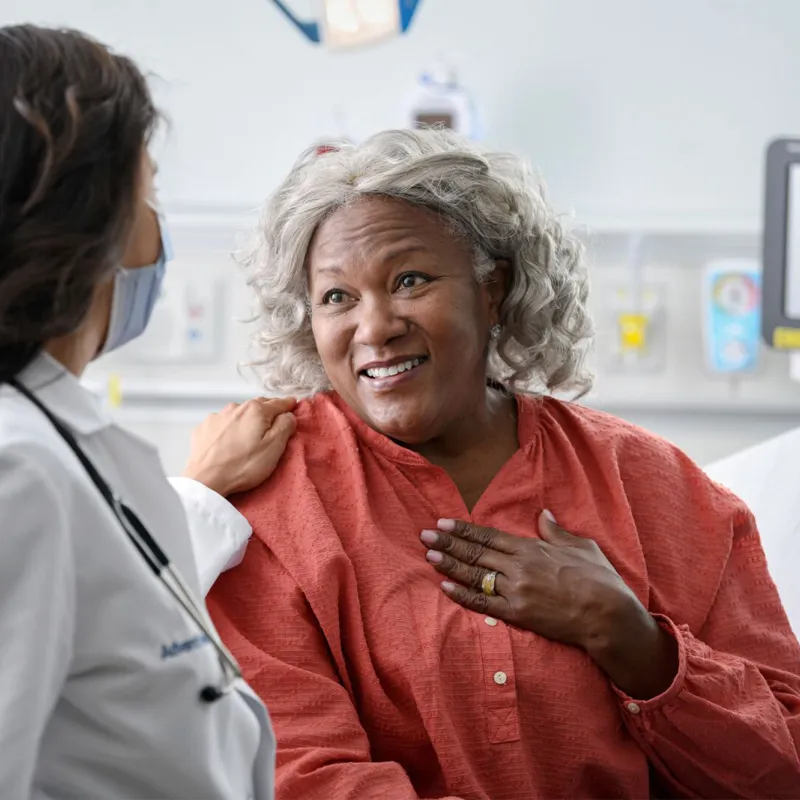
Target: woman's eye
<point x="334" y="297"/>
<point x="411" y="280"/>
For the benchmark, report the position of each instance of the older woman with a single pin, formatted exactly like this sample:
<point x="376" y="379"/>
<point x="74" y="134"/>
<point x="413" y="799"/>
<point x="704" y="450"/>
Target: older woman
<point x="418" y="623"/>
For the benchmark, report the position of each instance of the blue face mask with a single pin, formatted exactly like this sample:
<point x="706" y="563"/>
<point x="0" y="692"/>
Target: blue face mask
<point x="135" y="295"/>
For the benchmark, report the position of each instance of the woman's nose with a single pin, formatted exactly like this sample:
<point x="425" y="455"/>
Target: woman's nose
<point x="378" y="322"/>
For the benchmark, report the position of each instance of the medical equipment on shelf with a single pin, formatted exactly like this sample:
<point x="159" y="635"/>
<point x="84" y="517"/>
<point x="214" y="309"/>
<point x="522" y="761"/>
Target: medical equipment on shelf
<point x="780" y="305"/>
<point x="638" y="325"/>
<point x="781" y="246"/>
<point x="438" y="99"/>
<point x="637" y="319"/>
<point x="344" y="24"/>
<point x="732" y="317"/>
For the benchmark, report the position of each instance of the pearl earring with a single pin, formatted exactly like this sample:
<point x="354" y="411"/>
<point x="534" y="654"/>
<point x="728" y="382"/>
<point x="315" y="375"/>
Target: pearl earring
<point x="494" y="331"/>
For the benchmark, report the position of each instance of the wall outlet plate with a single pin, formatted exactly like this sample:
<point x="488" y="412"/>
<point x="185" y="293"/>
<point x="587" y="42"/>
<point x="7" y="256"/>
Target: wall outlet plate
<point x="186" y="324"/>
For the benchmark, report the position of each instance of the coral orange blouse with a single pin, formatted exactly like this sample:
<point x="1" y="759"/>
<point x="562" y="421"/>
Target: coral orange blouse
<point x="381" y="688"/>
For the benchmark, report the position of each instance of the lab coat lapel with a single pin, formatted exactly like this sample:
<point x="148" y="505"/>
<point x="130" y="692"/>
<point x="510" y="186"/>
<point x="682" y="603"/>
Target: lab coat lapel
<point x="64" y="396"/>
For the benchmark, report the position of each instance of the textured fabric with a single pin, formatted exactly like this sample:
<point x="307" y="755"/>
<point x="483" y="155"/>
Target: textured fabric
<point x="380" y="687"/>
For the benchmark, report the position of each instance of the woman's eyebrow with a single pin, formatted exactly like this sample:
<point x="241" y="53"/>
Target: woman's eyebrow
<point x="400" y="251"/>
<point x="331" y="269"/>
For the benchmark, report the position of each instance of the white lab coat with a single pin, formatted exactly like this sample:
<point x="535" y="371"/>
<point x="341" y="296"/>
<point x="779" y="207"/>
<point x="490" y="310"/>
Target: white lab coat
<point x="90" y="705"/>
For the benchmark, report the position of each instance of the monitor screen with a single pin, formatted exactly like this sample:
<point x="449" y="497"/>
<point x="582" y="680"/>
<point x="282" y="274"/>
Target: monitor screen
<point x="792" y="294"/>
<point x="780" y="283"/>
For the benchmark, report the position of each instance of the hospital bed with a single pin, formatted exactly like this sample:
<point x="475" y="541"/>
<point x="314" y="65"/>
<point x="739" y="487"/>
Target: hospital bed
<point x="767" y="478"/>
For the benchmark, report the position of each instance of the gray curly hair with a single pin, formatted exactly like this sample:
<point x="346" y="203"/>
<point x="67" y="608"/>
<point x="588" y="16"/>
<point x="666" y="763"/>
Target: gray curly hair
<point x="491" y="198"/>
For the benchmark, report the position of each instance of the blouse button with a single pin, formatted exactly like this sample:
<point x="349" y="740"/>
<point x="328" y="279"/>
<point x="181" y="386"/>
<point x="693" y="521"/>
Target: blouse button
<point x="500" y="678"/>
<point x="633" y="708"/>
<point x="491" y="621"/>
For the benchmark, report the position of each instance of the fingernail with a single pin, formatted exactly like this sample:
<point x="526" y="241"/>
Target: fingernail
<point x="446" y="524"/>
<point x="434" y="556"/>
<point x="429" y="537"/>
<point x="549" y="515"/>
<point x="447" y="586"/>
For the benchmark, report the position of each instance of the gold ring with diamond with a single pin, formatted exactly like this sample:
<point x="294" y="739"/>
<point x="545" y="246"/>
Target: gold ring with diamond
<point x="488" y="582"/>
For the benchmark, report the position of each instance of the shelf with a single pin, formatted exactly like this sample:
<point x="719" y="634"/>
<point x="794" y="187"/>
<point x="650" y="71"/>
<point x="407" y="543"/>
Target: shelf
<point x="694" y="408"/>
<point x="196" y="395"/>
<point x="733" y="224"/>
<point x="177" y="394"/>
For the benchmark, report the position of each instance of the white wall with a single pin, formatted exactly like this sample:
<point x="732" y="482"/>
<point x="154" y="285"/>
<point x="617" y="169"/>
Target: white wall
<point x="632" y="108"/>
<point x="643" y="115"/>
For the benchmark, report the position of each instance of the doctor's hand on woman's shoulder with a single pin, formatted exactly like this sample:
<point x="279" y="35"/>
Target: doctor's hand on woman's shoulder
<point x="238" y="448"/>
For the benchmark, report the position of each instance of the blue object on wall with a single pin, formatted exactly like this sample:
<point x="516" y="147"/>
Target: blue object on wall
<point x="407" y="10"/>
<point x="311" y="29"/>
<point x="733" y="316"/>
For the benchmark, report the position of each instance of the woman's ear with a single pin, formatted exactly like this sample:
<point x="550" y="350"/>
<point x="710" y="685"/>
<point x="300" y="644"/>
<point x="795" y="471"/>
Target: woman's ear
<point x="497" y="288"/>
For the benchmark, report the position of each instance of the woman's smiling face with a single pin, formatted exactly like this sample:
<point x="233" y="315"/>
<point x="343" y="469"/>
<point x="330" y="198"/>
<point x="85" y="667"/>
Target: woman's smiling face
<point x="400" y="321"/>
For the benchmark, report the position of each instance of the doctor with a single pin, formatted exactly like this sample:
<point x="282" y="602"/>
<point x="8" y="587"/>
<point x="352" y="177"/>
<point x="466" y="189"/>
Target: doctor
<point x="115" y="683"/>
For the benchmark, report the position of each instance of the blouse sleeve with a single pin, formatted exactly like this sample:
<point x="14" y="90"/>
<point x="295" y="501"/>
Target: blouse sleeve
<point x="729" y="726"/>
<point x="323" y="751"/>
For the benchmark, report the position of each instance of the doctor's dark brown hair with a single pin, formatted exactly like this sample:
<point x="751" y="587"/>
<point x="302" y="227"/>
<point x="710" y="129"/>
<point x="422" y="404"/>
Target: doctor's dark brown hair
<point x="74" y="120"/>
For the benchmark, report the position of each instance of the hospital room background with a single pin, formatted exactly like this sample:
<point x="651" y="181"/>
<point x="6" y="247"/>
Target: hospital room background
<point x="648" y="120"/>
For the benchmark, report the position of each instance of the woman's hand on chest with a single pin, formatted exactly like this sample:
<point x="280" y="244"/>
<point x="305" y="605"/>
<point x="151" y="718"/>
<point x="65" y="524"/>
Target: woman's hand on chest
<point x="561" y="587"/>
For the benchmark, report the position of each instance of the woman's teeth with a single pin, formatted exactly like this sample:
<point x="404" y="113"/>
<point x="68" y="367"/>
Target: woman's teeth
<point x="395" y="369"/>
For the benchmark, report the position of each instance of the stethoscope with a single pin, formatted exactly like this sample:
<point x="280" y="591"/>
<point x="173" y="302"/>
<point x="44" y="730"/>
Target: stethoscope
<point x="155" y="558"/>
